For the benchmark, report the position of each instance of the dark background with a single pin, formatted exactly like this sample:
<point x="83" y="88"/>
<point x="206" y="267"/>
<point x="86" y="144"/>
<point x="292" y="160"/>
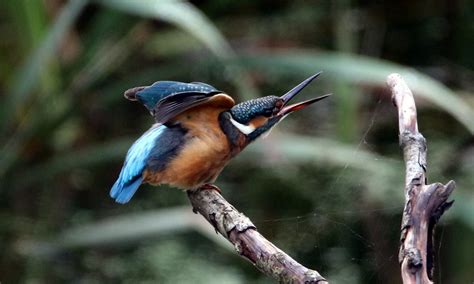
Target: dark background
<point x="326" y="186"/>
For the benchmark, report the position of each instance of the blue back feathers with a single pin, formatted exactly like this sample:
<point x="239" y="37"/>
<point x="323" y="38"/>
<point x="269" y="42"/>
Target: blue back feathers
<point x="135" y="163"/>
<point x="151" y="95"/>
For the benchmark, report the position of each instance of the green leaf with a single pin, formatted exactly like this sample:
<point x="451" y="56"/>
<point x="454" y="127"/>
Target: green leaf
<point x="28" y="75"/>
<point x="181" y="14"/>
<point x="363" y="70"/>
<point x="294" y="147"/>
<point x="95" y="154"/>
<point x="190" y="19"/>
<point x="125" y="229"/>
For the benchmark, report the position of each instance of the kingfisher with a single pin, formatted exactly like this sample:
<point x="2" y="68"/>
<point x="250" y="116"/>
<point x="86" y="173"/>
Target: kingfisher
<point x="198" y="130"/>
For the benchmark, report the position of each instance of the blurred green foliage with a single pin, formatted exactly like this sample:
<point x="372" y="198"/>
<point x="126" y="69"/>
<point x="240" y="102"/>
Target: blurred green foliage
<point x="326" y="186"/>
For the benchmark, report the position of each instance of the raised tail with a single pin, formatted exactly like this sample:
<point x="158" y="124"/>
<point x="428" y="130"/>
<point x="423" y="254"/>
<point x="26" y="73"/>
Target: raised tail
<point x="122" y="191"/>
<point x="135" y="163"/>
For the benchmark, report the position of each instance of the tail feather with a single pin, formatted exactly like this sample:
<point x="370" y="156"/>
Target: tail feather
<point x="122" y="191"/>
<point x="135" y="163"/>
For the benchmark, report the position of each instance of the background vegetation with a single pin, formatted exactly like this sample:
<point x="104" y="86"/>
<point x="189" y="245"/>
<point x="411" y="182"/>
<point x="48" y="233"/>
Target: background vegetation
<point x="326" y="186"/>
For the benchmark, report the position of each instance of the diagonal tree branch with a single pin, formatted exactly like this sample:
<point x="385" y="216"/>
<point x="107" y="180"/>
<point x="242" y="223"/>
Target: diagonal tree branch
<point x="424" y="203"/>
<point x="242" y="233"/>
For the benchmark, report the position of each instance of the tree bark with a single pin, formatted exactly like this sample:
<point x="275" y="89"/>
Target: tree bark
<point x="424" y="203"/>
<point x="250" y="244"/>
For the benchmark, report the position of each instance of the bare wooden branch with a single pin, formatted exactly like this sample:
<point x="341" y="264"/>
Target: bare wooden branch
<point x="242" y="233"/>
<point x="424" y="203"/>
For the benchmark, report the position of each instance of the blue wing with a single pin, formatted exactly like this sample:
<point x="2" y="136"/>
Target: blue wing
<point x="151" y="95"/>
<point x="135" y="163"/>
<point x="173" y="105"/>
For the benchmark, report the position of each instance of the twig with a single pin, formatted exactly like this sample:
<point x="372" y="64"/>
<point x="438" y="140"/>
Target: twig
<point x="241" y="232"/>
<point x="424" y="203"/>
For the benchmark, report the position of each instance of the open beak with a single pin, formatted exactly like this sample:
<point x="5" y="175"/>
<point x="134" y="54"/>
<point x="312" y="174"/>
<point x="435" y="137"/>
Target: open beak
<point x="286" y="109"/>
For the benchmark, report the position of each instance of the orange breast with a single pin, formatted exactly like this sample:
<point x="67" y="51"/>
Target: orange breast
<point x="206" y="151"/>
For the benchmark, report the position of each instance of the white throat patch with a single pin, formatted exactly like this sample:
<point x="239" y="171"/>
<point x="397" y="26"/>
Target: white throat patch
<point x="245" y="129"/>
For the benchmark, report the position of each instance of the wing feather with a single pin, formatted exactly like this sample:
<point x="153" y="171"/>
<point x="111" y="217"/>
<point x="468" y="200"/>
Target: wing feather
<point x="173" y="105"/>
<point x="151" y="95"/>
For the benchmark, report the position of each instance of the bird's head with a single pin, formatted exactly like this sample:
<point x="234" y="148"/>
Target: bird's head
<point x="255" y="117"/>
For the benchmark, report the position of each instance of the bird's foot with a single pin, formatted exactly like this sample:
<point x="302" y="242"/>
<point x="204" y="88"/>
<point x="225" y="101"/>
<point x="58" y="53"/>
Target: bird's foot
<point x="209" y="186"/>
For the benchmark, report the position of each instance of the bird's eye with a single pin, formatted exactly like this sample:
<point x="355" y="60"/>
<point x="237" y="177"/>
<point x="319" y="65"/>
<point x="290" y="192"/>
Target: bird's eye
<point x="278" y="105"/>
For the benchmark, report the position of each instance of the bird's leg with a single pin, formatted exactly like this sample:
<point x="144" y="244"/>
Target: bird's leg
<point x="210" y="186"/>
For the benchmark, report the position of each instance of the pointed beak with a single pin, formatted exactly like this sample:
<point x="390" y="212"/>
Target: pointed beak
<point x="286" y="109"/>
<point x="291" y="108"/>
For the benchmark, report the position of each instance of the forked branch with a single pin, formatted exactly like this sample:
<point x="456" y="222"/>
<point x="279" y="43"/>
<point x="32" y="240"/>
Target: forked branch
<point x="241" y="232"/>
<point x="424" y="203"/>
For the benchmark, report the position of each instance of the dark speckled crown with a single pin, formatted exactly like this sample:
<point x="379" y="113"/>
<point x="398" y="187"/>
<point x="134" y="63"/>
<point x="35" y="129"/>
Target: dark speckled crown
<point x="246" y="111"/>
